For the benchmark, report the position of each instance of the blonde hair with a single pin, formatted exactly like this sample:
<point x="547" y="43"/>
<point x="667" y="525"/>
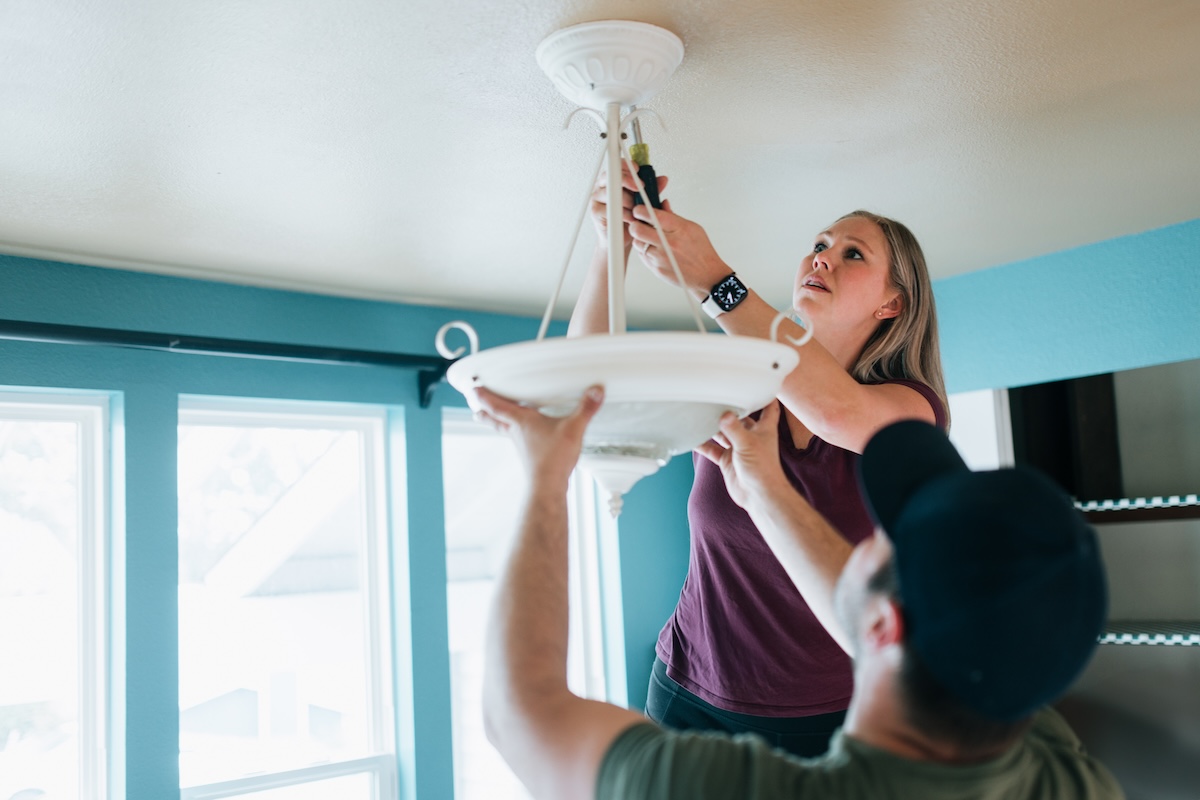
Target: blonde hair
<point x="906" y="346"/>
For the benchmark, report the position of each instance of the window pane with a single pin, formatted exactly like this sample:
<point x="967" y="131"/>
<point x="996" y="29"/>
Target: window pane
<point x="981" y="429"/>
<point x="278" y="626"/>
<point x="49" y="534"/>
<point x="483" y="486"/>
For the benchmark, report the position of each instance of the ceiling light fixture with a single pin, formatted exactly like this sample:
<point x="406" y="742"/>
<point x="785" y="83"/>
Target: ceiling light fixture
<point x="665" y="392"/>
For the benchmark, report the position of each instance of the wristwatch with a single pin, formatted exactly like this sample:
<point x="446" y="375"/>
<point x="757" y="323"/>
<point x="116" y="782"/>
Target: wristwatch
<point x="725" y="296"/>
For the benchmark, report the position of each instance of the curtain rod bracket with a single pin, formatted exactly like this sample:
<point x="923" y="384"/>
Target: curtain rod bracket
<point x="427" y="382"/>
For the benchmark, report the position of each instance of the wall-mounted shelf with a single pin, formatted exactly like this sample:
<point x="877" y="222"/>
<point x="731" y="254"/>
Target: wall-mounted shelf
<point x="1152" y="632"/>
<point x="1141" y="509"/>
<point x="1146" y="509"/>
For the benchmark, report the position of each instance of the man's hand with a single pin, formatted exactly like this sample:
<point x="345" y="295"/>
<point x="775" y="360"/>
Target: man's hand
<point x="747" y="451"/>
<point x="549" y="446"/>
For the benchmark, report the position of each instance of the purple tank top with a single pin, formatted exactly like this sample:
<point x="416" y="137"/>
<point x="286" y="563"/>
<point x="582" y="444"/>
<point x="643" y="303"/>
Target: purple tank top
<point x="742" y="638"/>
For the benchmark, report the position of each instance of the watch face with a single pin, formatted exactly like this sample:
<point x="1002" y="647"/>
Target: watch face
<point x="728" y="293"/>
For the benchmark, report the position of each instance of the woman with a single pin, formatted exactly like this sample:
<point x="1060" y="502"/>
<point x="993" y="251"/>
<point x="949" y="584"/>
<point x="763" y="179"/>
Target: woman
<point x="742" y="651"/>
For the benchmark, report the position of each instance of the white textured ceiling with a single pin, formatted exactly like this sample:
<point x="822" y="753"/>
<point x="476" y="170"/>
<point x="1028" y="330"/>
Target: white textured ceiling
<point x="414" y="151"/>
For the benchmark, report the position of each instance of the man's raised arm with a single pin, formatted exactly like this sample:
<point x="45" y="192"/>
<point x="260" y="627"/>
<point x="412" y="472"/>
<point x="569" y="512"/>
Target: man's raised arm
<point x="553" y="740"/>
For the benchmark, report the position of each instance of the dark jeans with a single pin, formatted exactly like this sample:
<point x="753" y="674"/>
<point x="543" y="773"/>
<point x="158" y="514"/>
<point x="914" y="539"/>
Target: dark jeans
<point x="672" y="706"/>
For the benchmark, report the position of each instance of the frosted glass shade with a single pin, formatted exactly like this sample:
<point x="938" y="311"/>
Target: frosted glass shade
<point x="664" y="392"/>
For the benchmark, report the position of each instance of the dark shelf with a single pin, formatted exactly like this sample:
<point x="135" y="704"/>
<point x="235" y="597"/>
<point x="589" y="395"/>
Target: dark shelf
<point x="1152" y="632"/>
<point x="1141" y="509"/>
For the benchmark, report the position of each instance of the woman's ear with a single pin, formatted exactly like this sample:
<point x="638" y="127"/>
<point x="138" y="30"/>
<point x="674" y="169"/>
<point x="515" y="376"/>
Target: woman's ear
<point x="891" y="308"/>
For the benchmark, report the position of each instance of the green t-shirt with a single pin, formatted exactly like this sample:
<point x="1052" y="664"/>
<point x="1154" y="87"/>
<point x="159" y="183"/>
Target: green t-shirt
<point x="648" y="762"/>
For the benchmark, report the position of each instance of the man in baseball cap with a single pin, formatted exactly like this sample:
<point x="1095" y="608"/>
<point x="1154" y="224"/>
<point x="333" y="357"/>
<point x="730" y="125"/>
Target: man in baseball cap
<point x="976" y="603"/>
<point x="998" y="577"/>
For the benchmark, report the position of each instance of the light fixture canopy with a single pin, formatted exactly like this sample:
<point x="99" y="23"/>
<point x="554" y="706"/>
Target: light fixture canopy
<point x="611" y="61"/>
<point x="665" y="392"/>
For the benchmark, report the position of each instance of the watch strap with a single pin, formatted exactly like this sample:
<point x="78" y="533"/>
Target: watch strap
<point x="710" y="307"/>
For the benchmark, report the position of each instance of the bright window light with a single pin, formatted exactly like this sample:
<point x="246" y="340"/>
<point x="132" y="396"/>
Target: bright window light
<point x="283" y="644"/>
<point x="53" y="595"/>
<point x="981" y="429"/>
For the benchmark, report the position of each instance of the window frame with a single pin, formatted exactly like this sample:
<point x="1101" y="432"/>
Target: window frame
<point x="92" y="413"/>
<point x="371" y="421"/>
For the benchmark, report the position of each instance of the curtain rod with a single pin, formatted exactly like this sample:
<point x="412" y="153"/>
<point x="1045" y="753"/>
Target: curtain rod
<point x="431" y="369"/>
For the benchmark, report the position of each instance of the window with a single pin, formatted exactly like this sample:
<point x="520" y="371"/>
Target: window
<point x="484" y="485"/>
<point x="981" y="430"/>
<point x="284" y="669"/>
<point x="53" y="595"/>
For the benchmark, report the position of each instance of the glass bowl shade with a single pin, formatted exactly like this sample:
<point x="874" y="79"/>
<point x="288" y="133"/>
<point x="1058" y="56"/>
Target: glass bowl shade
<point x="664" y="392"/>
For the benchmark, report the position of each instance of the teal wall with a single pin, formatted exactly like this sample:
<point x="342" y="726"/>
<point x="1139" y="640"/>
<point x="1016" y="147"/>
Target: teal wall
<point x="654" y="547"/>
<point x="1114" y="305"/>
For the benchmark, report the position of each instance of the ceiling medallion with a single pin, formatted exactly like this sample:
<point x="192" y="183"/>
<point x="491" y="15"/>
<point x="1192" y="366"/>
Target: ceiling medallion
<point x="665" y="392"/>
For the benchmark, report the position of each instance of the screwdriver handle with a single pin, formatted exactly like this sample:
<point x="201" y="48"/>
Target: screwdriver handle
<point x="650" y="180"/>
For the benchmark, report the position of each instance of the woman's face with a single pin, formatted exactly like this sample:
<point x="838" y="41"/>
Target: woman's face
<point x="845" y="278"/>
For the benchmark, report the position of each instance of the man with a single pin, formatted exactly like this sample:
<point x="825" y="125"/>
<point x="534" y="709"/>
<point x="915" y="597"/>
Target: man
<point x="976" y="603"/>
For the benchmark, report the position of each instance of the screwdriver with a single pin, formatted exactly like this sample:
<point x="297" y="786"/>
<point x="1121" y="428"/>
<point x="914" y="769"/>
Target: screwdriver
<point x="639" y="153"/>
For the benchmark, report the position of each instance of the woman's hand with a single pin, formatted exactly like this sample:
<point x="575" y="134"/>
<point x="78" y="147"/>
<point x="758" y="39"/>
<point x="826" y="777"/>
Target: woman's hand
<point x="591" y="311"/>
<point x="698" y="261"/>
<point x="747" y="451"/>
<point x="599" y="207"/>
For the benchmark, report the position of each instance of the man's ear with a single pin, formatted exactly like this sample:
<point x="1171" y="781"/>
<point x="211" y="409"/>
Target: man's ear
<point x="886" y="624"/>
<point x="891" y="308"/>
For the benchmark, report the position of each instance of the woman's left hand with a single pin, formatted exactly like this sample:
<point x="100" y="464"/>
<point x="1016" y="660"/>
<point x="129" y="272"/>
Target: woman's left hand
<point x="698" y="261"/>
<point x="747" y="451"/>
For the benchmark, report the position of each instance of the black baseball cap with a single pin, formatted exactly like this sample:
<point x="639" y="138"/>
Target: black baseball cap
<point x="1000" y="578"/>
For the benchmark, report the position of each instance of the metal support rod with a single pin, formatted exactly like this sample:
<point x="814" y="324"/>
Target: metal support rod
<point x="431" y="368"/>
<point x="616" y="226"/>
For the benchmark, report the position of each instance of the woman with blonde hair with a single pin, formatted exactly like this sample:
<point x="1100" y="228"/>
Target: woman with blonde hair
<point x="742" y="650"/>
